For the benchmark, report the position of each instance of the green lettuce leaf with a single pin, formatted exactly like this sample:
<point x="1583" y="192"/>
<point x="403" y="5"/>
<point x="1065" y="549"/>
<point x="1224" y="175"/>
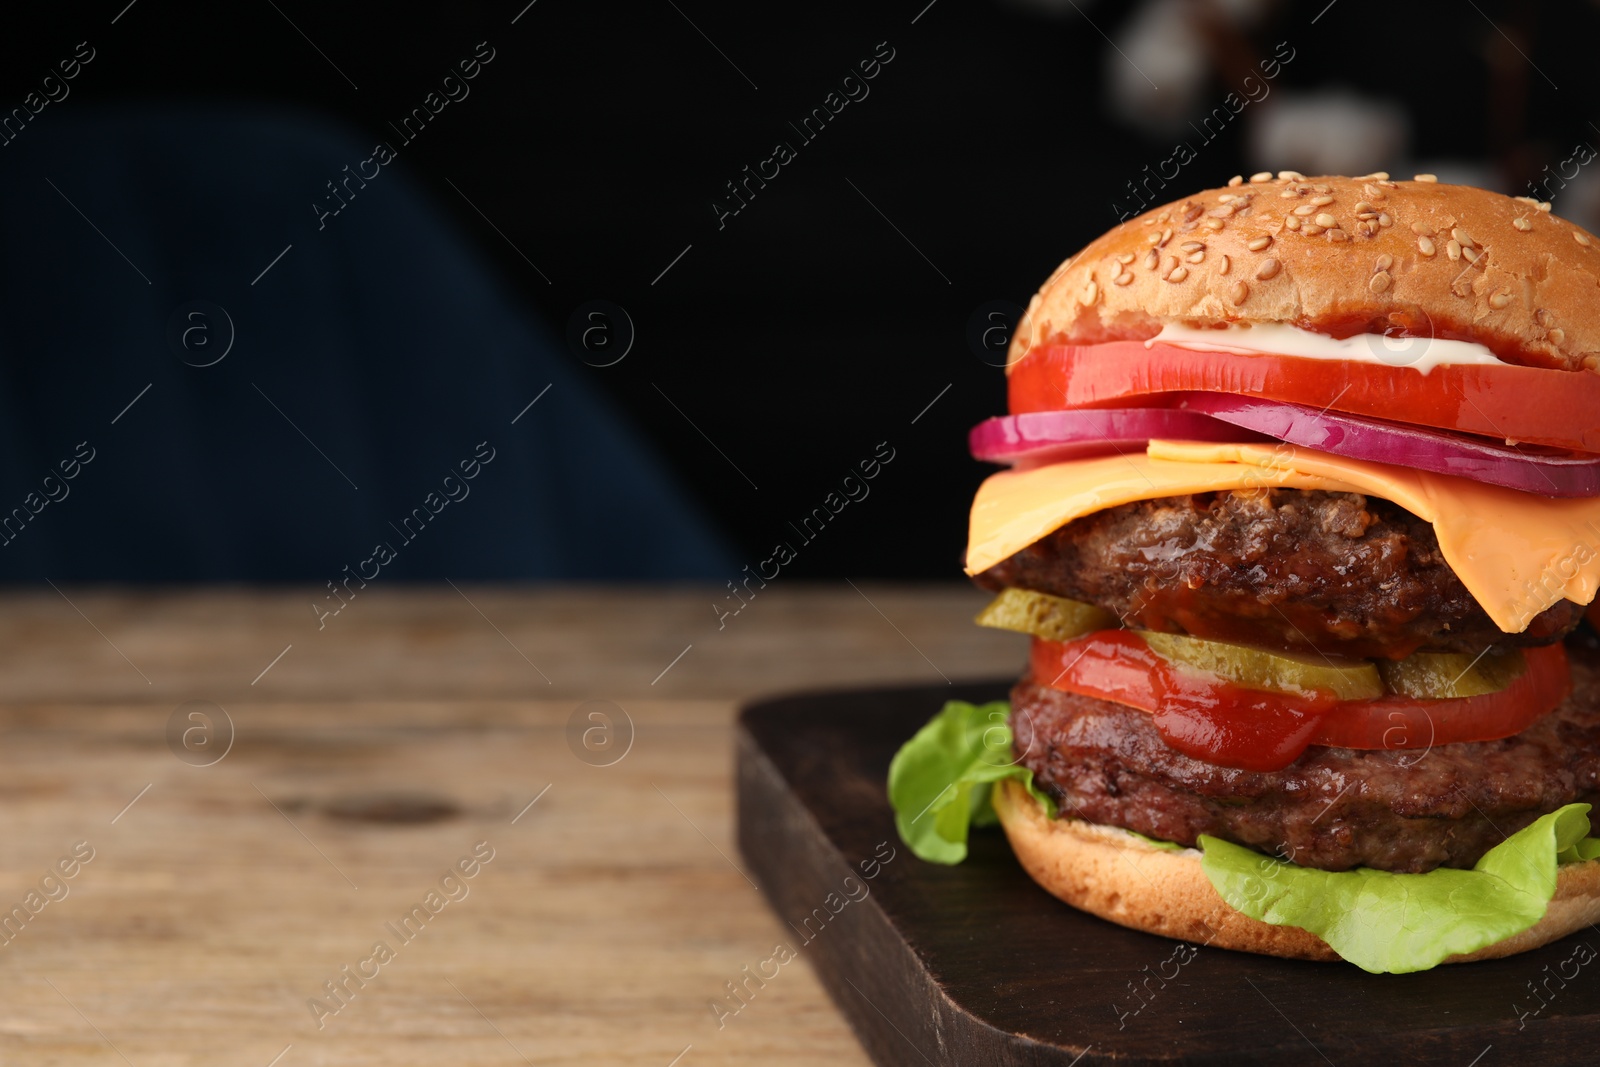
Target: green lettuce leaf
<point x="1397" y="923"/>
<point x="1587" y="849"/>
<point x="941" y="780"/>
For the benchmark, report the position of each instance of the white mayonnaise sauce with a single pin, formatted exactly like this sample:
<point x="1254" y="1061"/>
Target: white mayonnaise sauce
<point x="1419" y="353"/>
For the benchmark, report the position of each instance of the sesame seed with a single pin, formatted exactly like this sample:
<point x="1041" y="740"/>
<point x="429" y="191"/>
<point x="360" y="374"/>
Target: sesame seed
<point x="1377" y="175"/>
<point x="1453" y="250"/>
<point x="1500" y="300"/>
<point x="1290" y="175"/>
<point x="1544" y="205"/>
<point x="1422" y="229"/>
<point x="1212" y="224"/>
<point x="1384" y="262"/>
<point x="1425" y="246"/>
<point x="1223" y="212"/>
<point x="1192" y="212"/>
<point x="1125" y="259"/>
<point x="1090" y="292"/>
<point x="1337" y="234"/>
<point x="1291" y="223"/>
<point x="1581" y="238"/>
<point x="1304" y="209"/>
<point x="1166" y="235"/>
<point x="1425" y="178"/>
<point x="1288" y="194"/>
<point x="1178" y="274"/>
<point x="1227" y="198"/>
<point x="1463" y="236"/>
<point x="1268" y="269"/>
<point x="1151" y="260"/>
<point x="1385" y="220"/>
<point x="1312" y="229"/>
<point x="1366" y="228"/>
<point x="1320" y="188"/>
<point x="1380" y="281"/>
<point x="1556" y="336"/>
<point x="1326" y="220"/>
<point x="1527" y="200"/>
<point x="1543" y="317"/>
<point x="1522" y="224"/>
<point x="1239" y="293"/>
<point x="1258" y="243"/>
<point x="1155" y="238"/>
<point x="1195" y="257"/>
<point x="1470" y="254"/>
<point x="1222" y="267"/>
<point x="1122" y="279"/>
<point x="1322" y="201"/>
<point x="1261" y="176"/>
<point x="1237" y="179"/>
<point x="1191" y="246"/>
<point x="1373" y="192"/>
<point x="1172" y="264"/>
<point x="1362" y="206"/>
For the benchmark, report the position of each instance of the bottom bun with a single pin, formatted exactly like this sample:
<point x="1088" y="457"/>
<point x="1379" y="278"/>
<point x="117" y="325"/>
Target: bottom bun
<point x="1110" y="873"/>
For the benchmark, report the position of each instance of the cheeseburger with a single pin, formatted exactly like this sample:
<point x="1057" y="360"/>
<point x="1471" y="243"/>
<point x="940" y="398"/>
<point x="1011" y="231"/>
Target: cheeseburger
<point x="1302" y="514"/>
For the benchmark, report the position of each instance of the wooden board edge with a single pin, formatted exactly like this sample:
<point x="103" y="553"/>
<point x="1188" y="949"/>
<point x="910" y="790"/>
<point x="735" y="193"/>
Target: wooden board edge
<point x="869" y="971"/>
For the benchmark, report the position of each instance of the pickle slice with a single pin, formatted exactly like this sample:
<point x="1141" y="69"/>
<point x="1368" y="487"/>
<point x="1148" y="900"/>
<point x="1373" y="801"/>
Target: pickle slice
<point x="1444" y="675"/>
<point x="1051" y="617"/>
<point x="1259" y="668"/>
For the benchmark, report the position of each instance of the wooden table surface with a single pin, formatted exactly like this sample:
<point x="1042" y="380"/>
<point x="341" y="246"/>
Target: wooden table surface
<point x="381" y="747"/>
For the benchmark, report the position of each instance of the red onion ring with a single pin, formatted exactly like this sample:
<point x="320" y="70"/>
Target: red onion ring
<point x="1036" y="438"/>
<point x="1041" y="437"/>
<point x="1527" y="468"/>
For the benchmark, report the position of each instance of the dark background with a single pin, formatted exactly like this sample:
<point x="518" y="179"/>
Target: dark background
<point x="832" y="310"/>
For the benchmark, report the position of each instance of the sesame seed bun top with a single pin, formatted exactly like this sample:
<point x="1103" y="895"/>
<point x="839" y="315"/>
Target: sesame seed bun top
<point x="1339" y="256"/>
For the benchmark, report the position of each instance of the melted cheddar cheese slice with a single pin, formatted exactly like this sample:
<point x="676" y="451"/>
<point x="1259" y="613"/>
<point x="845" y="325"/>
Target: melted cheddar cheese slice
<point x="1515" y="552"/>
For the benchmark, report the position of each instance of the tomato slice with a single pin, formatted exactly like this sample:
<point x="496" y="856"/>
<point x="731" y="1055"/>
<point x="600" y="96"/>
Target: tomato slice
<point x="1226" y="724"/>
<point x="1526" y="404"/>
<point x="1405" y="722"/>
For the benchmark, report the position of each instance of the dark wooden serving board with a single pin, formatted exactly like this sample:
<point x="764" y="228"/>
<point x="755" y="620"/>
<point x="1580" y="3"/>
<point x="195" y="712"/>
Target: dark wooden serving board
<point x="975" y="964"/>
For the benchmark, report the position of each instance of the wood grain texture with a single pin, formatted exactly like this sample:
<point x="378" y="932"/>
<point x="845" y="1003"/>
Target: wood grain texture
<point x="975" y="964"/>
<point x="414" y="643"/>
<point x="613" y="911"/>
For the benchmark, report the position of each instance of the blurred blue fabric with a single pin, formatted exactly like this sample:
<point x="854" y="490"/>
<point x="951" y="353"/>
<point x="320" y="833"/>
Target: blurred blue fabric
<point x="384" y="338"/>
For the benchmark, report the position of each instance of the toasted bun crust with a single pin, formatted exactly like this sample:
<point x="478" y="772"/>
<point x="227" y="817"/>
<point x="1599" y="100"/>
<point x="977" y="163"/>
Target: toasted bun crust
<point x="1108" y="873"/>
<point x="1338" y="256"/>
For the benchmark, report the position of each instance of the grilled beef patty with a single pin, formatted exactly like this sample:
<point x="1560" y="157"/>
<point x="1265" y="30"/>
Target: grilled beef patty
<point x="1336" y="573"/>
<point x="1334" y="808"/>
